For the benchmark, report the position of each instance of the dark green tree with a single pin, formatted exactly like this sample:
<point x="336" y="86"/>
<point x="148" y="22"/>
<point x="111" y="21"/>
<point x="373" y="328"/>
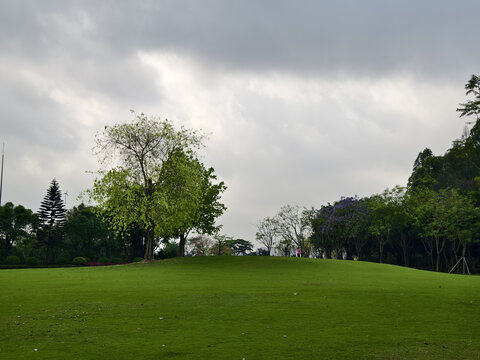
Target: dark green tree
<point x="85" y="233"/>
<point x="472" y="107"/>
<point x="16" y="223"/>
<point x="51" y="219"/>
<point x="240" y="246"/>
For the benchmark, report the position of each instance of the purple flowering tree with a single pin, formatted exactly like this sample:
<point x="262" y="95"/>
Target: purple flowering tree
<point x="342" y="225"/>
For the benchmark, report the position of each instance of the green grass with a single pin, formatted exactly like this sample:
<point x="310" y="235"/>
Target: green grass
<point x="239" y="307"/>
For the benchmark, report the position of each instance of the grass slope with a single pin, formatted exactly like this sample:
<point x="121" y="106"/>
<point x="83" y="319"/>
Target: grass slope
<point x="239" y="307"/>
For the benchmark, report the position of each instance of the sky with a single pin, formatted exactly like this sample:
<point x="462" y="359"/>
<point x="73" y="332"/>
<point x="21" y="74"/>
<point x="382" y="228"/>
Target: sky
<point x="304" y="101"/>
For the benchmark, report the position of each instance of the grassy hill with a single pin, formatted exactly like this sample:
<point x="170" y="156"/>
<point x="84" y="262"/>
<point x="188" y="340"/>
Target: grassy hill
<point x="239" y="307"/>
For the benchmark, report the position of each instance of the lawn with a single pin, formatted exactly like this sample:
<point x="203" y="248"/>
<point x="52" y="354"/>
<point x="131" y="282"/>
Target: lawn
<point x="239" y="308"/>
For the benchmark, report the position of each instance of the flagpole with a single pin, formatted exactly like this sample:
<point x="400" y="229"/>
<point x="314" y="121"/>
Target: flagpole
<point x="1" y="177"/>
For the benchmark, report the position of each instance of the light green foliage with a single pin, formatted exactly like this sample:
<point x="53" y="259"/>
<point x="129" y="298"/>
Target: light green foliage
<point x="154" y="182"/>
<point x="443" y="216"/>
<point x="384" y="209"/>
<point x="239" y="307"/>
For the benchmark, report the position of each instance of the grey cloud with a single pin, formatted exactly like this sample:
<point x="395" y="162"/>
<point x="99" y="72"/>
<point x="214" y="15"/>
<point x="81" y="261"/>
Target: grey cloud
<point x="282" y="152"/>
<point x="369" y="37"/>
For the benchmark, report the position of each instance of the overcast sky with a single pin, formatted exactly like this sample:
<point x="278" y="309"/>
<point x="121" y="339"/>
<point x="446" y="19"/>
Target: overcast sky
<point x="305" y="101"/>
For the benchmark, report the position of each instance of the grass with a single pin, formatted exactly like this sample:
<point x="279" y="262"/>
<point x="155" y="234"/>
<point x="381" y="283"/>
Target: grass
<point x="239" y="307"/>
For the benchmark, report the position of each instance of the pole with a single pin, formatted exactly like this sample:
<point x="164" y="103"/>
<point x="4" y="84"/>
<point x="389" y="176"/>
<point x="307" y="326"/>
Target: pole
<point x="1" y="177"/>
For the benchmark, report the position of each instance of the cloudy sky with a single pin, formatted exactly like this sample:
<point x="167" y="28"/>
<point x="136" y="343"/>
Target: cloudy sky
<point x="304" y="101"/>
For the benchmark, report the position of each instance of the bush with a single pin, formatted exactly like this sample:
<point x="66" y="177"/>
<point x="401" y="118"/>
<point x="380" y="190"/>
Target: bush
<point x="32" y="260"/>
<point x="61" y="260"/>
<point x="170" y="250"/>
<point x="79" y="261"/>
<point x="116" y="260"/>
<point x="12" y="260"/>
<point x="137" y="259"/>
<point x="103" y="259"/>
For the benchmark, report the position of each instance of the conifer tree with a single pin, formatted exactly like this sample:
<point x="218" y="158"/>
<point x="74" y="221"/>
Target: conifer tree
<point x="51" y="218"/>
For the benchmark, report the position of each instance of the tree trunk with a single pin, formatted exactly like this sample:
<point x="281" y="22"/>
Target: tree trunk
<point x="8" y="245"/>
<point x="404" y="243"/>
<point x="440" y="245"/>
<point x="149" y="235"/>
<point x="464" y="249"/>
<point x="181" y="245"/>
<point x="380" y="249"/>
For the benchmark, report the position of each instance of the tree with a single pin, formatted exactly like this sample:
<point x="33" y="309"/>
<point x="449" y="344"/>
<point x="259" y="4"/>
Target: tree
<point x="322" y="231"/>
<point x="220" y="247"/>
<point x="285" y="247"/>
<point x="382" y="207"/>
<point x="200" y="245"/>
<point x="138" y="190"/>
<point x="468" y="147"/>
<point x="267" y="233"/>
<point x="427" y="170"/>
<point x="85" y="233"/>
<point x="294" y="227"/>
<point x="240" y="246"/>
<point x="51" y="218"/>
<point x="472" y="107"/>
<point x="16" y="222"/>
<point x="193" y="196"/>
<point x="346" y="222"/>
<point x="463" y="220"/>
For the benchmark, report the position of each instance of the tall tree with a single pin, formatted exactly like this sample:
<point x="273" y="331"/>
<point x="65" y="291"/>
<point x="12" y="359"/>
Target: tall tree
<point x="137" y="189"/>
<point x="193" y="198"/>
<point x="51" y="218"/>
<point x="382" y="207"/>
<point x="294" y="227"/>
<point x="267" y="233"/>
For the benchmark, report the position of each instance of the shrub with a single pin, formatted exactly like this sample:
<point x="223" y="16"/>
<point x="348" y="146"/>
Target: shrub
<point x="32" y="260"/>
<point x="12" y="260"/>
<point x="138" y="259"/>
<point x="79" y="261"/>
<point x="103" y="259"/>
<point x="116" y="260"/>
<point x="61" y="260"/>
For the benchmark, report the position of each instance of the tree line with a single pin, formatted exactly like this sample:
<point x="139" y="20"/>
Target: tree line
<point x="431" y="223"/>
<point x="152" y="188"/>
